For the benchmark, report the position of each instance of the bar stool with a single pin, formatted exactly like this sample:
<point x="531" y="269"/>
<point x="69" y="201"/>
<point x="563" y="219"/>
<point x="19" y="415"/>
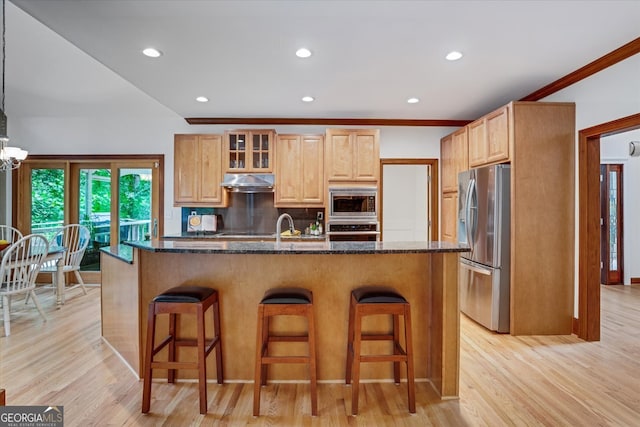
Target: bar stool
<point x="278" y="302"/>
<point x="175" y="301"/>
<point x="373" y="300"/>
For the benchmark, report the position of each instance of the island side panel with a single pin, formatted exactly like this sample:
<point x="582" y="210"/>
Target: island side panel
<point x="242" y="279"/>
<point x="445" y="328"/>
<point x="120" y="308"/>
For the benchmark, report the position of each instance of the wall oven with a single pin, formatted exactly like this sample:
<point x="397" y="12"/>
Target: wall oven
<point x="352" y="231"/>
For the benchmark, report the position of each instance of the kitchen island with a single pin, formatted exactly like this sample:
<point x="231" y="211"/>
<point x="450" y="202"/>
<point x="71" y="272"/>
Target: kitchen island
<point x="424" y="272"/>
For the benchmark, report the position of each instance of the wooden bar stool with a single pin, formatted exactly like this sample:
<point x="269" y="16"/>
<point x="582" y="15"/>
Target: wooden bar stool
<point x="278" y="302"/>
<point x="373" y="300"/>
<point x="175" y="301"/>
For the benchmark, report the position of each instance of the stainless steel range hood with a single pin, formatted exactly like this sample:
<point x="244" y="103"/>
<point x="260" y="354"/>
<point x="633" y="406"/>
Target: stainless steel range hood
<point x="248" y="182"/>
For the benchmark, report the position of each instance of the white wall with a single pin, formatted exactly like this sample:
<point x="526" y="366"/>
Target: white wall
<point x="611" y="94"/>
<point x="154" y="135"/>
<point x="615" y="149"/>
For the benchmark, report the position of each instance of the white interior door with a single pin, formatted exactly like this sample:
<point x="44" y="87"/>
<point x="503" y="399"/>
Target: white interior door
<point x="405" y="215"/>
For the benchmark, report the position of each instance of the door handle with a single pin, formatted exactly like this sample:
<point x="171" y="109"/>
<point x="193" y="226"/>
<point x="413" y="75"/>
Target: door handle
<point x="476" y="269"/>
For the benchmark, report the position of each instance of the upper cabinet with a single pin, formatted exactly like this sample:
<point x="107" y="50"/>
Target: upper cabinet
<point x="454" y="157"/>
<point x="489" y="138"/>
<point x="299" y="171"/>
<point x="477" y="142"/>
<point x="352" y="155"/>
<point x="248" y="151"/>
<point x="449" y="178"/>
<point x="197" y="170"/>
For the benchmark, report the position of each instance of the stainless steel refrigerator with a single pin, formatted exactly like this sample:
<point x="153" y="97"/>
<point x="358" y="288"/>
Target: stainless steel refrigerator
<point x="484" y="225"/>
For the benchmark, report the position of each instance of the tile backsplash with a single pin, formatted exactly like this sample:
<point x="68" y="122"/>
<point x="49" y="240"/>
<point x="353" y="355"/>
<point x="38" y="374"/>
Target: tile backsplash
<point x="252" y="213"/>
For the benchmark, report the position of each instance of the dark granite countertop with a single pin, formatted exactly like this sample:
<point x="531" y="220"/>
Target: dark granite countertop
<point x="241" y="237"/>
<point x="289" y="247"/>
<point x="122" y="252"/>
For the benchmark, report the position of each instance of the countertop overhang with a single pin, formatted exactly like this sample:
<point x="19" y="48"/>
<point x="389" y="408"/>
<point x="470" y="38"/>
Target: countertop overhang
<point x="295" y="247"/>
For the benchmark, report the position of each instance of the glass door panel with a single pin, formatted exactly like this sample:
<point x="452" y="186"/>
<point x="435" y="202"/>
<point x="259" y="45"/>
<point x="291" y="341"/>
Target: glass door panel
<point x="135" y="204"/>
<point x="94" y="212"/>
<point x="611" y="222"/>
<point x="47" y="200"/>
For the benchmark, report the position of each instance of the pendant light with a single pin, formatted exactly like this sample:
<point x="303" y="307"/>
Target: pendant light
<point x="10" y="157"/>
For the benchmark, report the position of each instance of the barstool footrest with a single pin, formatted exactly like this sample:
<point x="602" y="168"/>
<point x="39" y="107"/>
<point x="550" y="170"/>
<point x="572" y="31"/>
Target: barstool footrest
<point x="383" y="358"/>
<point x="174" y="365"/>
<point x="270" y="360"/>
<point x="377" y="337"/>
<point x="288" y="338"/>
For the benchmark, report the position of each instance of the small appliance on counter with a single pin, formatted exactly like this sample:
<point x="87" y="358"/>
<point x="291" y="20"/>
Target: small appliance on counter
<point x="201" y="223"/>
<point x="194" y="222"/>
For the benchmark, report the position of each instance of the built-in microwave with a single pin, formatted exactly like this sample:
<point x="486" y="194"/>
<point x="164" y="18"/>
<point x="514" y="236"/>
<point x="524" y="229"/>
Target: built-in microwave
<point x="353" y="202"/>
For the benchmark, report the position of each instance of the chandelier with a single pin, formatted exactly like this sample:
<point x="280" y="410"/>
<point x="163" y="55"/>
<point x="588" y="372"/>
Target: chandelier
<point x="10" y="157"/>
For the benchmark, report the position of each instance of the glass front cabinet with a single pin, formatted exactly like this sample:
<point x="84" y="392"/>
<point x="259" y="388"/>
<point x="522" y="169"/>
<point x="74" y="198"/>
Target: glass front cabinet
<point x="249" y="150"/>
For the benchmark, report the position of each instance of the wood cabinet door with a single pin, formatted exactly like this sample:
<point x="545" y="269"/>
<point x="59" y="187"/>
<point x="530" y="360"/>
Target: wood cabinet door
<point x="186" y="155"/>
<point x="299" y="170"/>
<point x="366" y="155"/>
<point x="312" y="174"/>
<point x="498" y="135"/>
<point x="449" y="177"/>
<point x="288" y="169"/>
<point x="339" y="155"/>
<point x="477" y="143"/>
<point x="460" y="152"/>
<point x="449" y="218"/>
<point x="211" y="170"/>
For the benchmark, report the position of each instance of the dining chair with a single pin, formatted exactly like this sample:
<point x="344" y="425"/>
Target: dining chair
<point x="21" y="263"/>
<point x="9" y="233"/>
<point x="75" y="239"/>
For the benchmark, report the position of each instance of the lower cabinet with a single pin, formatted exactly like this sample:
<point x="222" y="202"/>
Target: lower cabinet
<point x="299" y="171"/>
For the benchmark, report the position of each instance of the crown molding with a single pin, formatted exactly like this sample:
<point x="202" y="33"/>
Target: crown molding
<point x="611" y="58"/>
<point x="322" y="121"/>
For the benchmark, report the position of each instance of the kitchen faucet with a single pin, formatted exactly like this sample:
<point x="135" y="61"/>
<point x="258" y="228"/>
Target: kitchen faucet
<point x="279" y="225"/>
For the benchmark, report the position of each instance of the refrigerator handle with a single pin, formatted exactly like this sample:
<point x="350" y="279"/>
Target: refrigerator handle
<point x="476" y="268"/>
<point x="469" y="223"/>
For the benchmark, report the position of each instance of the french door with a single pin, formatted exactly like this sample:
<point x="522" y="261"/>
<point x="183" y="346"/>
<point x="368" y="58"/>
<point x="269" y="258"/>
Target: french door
<point x="611" y="272"/>
<point x="117" y="198"/>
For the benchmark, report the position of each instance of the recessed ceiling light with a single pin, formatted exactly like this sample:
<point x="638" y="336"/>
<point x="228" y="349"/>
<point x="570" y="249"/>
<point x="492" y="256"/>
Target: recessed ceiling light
<point x="413" y="100"/>
<point x="303" y="52"/>
<point x="308" y="98"/>
<point x="152" y="53"/>
<point x="202" y="99"/>
<point x="453" y="56"/>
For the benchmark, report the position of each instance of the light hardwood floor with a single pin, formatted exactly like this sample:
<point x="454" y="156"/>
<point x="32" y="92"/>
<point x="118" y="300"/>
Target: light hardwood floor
<point x="505" y="380"/>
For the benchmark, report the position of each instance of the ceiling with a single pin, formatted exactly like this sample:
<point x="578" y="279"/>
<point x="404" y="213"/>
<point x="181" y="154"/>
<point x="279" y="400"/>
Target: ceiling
<point x="368" y="58"/>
